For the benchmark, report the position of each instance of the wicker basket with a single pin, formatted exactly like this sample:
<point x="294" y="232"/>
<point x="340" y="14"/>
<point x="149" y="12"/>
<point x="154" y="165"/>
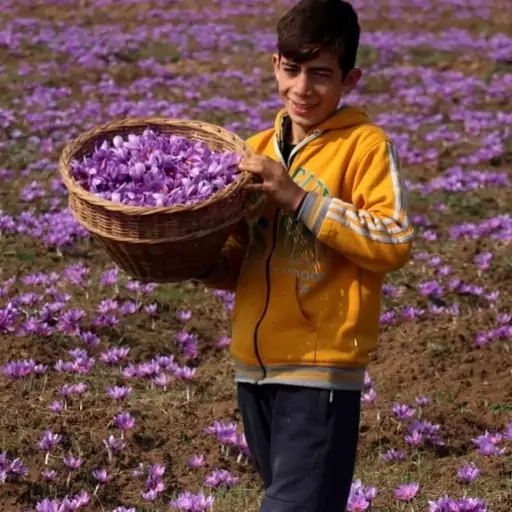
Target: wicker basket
<point x="159" y="244"/>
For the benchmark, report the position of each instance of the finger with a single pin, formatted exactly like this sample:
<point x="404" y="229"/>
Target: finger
<point x="252" y="169"/>
<point x="250" y="165"/>
<point x="250" y="161"/>
<point x="255" y="187"/>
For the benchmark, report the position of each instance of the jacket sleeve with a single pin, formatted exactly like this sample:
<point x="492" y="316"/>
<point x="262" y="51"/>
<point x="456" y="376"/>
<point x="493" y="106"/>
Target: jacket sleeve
<point x="374" y="230"/>
<point x="225" y="271"/>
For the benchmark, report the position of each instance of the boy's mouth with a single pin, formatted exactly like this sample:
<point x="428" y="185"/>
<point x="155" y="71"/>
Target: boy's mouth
<point x="302" y="108"/>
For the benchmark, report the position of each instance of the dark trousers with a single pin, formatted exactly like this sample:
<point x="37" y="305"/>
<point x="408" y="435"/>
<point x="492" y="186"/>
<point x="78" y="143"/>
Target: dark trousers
<point x="303" y="444"/>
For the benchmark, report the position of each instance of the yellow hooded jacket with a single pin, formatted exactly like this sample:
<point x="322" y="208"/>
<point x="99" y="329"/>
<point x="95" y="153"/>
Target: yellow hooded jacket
<point x="308" y="286"/>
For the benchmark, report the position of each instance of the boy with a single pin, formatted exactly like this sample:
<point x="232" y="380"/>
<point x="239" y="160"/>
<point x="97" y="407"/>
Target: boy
<point x="330" y="222"/>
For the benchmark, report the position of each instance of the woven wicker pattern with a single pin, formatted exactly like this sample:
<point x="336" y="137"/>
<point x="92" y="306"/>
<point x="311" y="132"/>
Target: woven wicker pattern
<point x="158" y="244"/>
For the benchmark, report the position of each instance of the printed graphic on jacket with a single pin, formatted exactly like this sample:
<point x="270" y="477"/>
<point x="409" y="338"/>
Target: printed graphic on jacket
<point x="297" y="252"/>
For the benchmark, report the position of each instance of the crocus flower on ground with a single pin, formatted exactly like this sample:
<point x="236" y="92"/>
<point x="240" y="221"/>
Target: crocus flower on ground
<point x="406" y="492"/>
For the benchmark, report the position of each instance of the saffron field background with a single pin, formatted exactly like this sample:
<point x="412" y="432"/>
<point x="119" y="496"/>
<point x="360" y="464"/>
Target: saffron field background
<point x="119" y="396"/>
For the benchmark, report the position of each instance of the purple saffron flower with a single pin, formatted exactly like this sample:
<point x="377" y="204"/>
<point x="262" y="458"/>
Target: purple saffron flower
<point x="393" y="455"/>
<point x="483" y="260"/>
<point x="119" y="392"/>
<point x="387" y="318"/>
<point x="224" y="342"/>
<point x="406" y="492"/>
<point x="101" y="475"/>
<point x="468" y="473"/>
<point x="113" y="445"/>
<point x="124" y="421"/>
<point x="114" y="355"/>
<point x="49" y="440"/>
<point x="447" y="504"/>
<point x="360" y="497"/>
<point x="72" y="462"/>
<point x="162" y="380"/>
<point x="156" y="470"/>
<point x="79" y="388"/>
<point x="428" y="431"/>
<point x="183" y="337"/>
<point x="423" y="401"/>
<point x="431" y="289"/>
<point x="504" y="318"/>
<point x="19" y="369"/>
<point x="370" y="493"/>
<point x="220" y="478"/>
<point x="184" y="502"/>
<point x="444" y="270"/>
<point x="482" y="339"/>
<point x="109" y="278"/>
<point x="128" y="308"/>
<point x="150" y="495"/>
<point x="489" y="449"/>
<point x="403" y="412"/>
<point x="357" y="503"/>
<point x="202" y="502"/>
<point x="415" y="438"/>
<point x="507" y="434"/>
<point x="429" y="235"/>
<point x="48" y="505"/>
<point x="107" y="306"/>
<point x="151" y="310"/>
<point x="17" y="467"/>
<point x="411" y="314"/>
<point x="185" y="373"/>
<point x="78" y="501"/>
<point x="49" y="475"/>
<point x="133" y="286"/>
<point x="40" y="369"/>
<point x="130" y="372"/>
<point x="190" y="351"/>
<point x="369" y="397"/>
<point x="105" y="321"/>
<point x="488" y="444"/>
<point x="139" y="471"/>
<point x="196" y="461"/>
<point x="241" y="443"/>
<point x="184" y="315"/>
<point x="8" y="317"/>
<point x="69" y="322"/>
<point x="57" y="406"/>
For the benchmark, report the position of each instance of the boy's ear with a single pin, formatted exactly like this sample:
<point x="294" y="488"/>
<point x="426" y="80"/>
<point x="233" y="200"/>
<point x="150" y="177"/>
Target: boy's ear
<point x="350" y="81"/>
<point x="275" y="62"/>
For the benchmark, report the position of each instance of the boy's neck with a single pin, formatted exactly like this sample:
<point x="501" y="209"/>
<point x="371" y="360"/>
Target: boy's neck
<point x="296" y="134"/>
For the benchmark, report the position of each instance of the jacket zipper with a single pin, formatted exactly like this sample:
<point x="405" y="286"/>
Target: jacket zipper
<point x="286" y="165"/>
<point x="267" y="299"/>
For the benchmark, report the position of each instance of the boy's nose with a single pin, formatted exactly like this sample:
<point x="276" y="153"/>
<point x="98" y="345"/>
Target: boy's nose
<point x="302" y="85"/>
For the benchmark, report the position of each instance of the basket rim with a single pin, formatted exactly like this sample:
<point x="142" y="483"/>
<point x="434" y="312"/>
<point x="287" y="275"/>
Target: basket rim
<point x="74" y="146"/>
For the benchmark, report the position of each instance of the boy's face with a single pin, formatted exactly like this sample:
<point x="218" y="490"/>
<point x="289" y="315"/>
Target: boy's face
<point x="312" y="90"/>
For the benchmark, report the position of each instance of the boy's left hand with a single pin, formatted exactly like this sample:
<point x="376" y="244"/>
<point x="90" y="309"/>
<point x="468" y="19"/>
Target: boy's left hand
<point x="274" y="181"/>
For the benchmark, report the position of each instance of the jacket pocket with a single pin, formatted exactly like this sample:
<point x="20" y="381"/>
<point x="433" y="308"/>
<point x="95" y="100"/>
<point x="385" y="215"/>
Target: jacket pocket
<point x="301" y="314"/>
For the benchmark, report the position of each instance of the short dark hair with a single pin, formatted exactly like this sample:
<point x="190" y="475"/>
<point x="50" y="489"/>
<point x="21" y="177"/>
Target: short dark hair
<point x="314" y="25"/>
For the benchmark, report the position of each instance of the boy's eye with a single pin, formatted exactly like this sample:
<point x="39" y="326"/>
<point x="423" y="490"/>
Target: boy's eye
<point x="293" y="71"/>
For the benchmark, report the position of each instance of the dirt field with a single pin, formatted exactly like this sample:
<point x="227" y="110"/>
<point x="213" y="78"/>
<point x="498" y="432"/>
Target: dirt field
<point x="436" y="76"/>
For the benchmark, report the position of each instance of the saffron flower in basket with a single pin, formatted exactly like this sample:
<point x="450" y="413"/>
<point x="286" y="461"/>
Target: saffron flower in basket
<point x="154" y="169"/>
